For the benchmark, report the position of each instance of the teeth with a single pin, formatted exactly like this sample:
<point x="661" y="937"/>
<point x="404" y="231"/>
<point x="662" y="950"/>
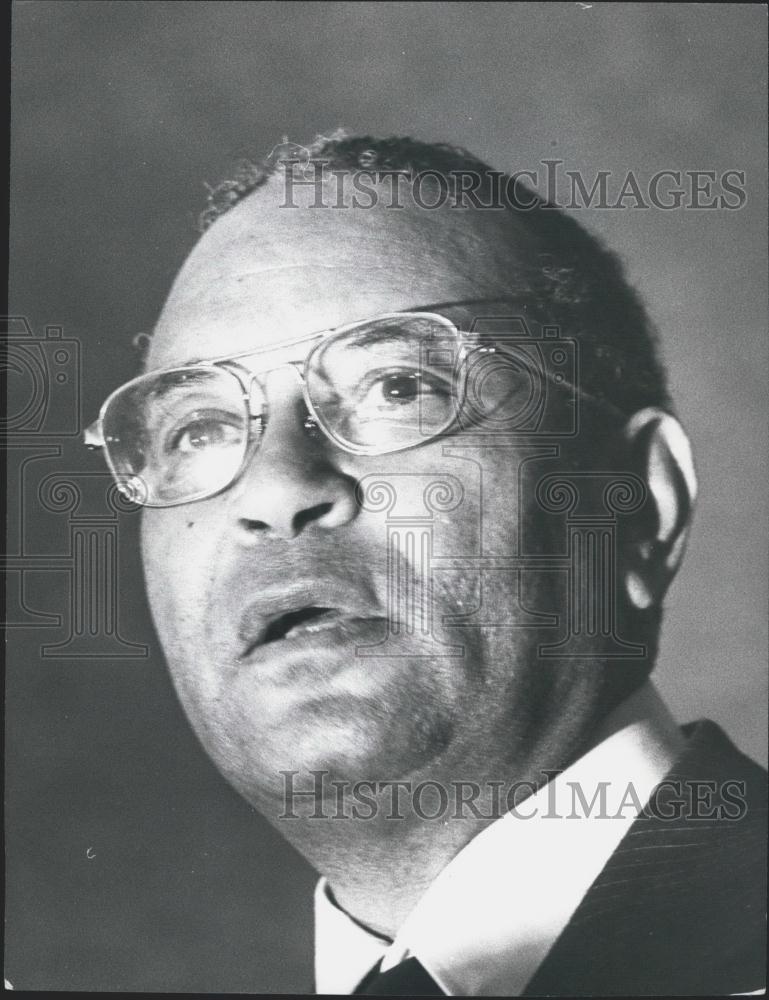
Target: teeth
<point x="311" y="628"/>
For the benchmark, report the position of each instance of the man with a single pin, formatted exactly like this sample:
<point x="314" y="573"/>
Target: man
<point x="414" y="494"/>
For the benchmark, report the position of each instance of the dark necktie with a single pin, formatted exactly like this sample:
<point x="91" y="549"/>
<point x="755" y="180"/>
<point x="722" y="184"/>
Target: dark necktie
<point x="407" y="979"/>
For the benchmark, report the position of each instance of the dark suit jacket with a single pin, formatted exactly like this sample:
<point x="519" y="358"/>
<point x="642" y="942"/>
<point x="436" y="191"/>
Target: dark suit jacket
<point x="680" y="908"/>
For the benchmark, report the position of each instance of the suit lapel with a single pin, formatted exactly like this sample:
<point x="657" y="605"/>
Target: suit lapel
<point x="678" y="907"/>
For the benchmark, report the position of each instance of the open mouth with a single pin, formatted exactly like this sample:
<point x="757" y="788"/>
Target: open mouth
<point x="303" y="621"/>
<point x="309" y="620"/>
<point x="285" y="617"/>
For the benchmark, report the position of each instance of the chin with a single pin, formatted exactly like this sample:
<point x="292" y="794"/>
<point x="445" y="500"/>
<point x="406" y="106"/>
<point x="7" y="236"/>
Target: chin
<point x="359" y="741"/>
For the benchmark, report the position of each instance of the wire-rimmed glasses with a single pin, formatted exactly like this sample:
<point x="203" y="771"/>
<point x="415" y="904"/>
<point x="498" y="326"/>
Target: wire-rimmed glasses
<point x="376" y="386"/>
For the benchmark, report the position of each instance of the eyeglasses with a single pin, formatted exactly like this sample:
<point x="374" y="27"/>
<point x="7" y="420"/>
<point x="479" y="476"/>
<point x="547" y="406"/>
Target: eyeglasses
<point x="373" y="387"/>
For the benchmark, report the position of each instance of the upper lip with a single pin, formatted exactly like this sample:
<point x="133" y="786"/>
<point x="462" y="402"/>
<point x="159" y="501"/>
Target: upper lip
<point x="271" y="605"/>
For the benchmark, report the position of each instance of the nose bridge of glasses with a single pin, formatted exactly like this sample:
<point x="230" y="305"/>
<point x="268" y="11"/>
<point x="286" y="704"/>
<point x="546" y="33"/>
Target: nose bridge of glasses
<point x="266" y="388"/>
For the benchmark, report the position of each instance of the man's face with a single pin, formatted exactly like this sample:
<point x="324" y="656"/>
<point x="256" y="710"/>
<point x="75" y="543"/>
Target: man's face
<point x="264" y="594"/>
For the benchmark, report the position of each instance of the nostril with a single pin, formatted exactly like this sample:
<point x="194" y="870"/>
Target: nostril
<point x="300" y="520"/>
<point x="310" y="514"/>
<point x="251" y="525"/>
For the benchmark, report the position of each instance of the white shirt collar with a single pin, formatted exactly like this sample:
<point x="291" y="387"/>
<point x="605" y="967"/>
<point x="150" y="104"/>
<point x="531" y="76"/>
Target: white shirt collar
<point x="488" y="920"/>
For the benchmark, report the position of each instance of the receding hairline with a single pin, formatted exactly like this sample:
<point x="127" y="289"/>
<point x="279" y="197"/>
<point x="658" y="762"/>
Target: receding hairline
<point x="574" y="281"/>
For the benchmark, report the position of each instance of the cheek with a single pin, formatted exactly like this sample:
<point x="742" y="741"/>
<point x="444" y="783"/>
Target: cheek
<point x="179" y="549"/>
<point x="178" y="553"/>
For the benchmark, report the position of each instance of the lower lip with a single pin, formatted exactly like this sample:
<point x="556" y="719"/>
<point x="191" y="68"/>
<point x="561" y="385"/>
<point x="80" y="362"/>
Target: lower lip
<point x="309" y="649"/>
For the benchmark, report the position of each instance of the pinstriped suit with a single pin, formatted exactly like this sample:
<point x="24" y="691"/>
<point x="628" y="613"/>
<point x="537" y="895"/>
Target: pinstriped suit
<point x="680" y="907"/>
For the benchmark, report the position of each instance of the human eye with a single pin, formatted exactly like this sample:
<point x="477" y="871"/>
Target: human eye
<point x="203" y="430"/>
<point x="397" y="407"/>
<point x="388" y="390"/>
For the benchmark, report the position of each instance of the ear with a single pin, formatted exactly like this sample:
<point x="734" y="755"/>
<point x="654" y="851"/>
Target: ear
<point x="662" y="455"/>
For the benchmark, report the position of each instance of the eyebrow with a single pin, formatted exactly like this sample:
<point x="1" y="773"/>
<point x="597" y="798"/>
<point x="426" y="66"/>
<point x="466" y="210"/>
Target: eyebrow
<point x="172" y="379"/>
<point x="377" y="335"/>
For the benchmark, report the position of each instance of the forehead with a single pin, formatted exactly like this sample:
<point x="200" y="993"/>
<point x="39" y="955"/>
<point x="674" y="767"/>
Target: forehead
<point x="268" y="272"/>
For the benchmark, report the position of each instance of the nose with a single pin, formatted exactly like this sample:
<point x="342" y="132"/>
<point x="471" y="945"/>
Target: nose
<point x="292" y="483"/>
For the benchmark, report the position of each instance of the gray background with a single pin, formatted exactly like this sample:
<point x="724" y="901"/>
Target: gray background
<point x="120" y="112"/>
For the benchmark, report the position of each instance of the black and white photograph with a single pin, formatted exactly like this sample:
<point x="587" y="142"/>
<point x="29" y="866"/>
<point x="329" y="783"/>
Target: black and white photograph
<point x="386" y="479"/>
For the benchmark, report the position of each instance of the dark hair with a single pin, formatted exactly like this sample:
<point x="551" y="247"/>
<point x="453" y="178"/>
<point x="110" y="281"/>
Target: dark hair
<point x="572" y="281"/>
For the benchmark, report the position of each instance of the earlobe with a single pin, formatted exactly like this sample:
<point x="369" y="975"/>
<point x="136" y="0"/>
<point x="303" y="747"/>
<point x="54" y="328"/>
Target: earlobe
<point x="663" y="456"/>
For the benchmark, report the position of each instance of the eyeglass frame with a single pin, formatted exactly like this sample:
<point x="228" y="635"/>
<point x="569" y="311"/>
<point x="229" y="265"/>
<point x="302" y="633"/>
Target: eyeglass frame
<point x="94" y="439"/>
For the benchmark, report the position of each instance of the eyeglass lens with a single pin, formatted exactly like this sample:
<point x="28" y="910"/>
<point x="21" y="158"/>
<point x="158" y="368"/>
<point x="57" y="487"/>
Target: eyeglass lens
<point x="377" y="387"/>
<point x="177" y="435"/>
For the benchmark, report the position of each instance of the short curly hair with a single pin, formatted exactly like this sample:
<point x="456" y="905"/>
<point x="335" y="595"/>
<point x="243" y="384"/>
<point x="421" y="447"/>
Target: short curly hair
<point x="572" y="281"/>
